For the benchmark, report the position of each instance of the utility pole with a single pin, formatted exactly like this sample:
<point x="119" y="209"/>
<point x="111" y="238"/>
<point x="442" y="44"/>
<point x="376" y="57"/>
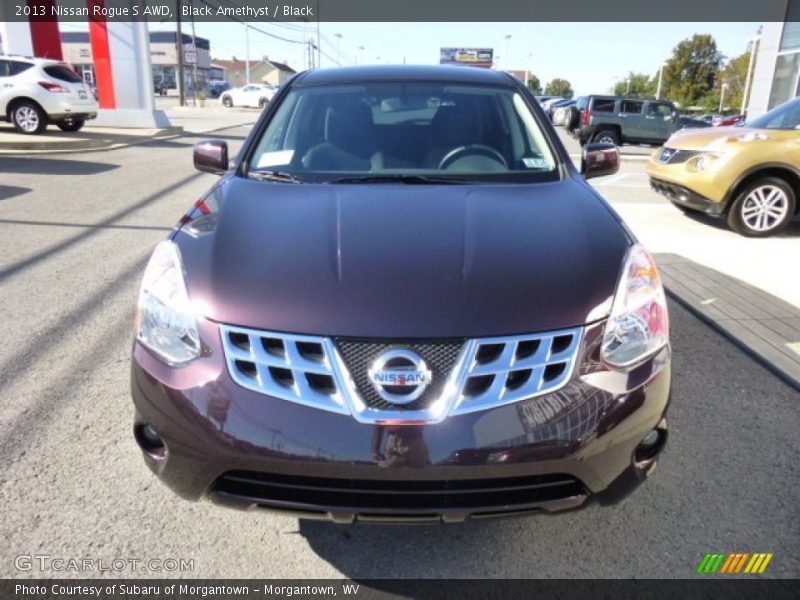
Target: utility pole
<point x="179" y="44"/>
<point x="319" y="48"/>
<point x="247" y="53"/>
<point x="194" y="66"/>
<point x="723" y="87"/>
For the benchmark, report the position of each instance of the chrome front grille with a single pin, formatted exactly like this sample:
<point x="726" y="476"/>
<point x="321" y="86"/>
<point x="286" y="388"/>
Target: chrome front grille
<point x="468" y="376"/>
<point x="291" y="367"/>
<point x="672" y="156"/>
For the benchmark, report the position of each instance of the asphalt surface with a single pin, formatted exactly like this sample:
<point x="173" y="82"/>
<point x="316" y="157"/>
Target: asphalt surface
<point x="75" y="233"/>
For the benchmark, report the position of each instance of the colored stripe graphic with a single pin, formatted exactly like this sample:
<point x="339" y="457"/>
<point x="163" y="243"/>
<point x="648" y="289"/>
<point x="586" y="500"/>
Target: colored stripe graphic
<point x="734" y="563"/>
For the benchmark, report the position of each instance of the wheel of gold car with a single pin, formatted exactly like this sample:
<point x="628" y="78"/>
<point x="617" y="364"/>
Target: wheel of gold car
<point x="763" y="207"/>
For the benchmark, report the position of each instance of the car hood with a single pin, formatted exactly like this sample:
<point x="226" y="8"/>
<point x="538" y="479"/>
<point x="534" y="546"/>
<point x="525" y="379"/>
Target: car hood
<point x="406" y="261"/>
<point x="714" y="138"/>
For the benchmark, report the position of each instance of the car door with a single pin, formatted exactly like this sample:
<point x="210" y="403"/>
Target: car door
<point x="660" y="121"/>
<point x="632" y="119"/>
<point x="251" y="95"/>
<point x="6" y="85"/>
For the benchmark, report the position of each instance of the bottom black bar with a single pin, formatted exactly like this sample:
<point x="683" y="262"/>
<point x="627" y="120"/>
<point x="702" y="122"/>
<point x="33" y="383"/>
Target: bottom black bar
<point x="706" y="588"/>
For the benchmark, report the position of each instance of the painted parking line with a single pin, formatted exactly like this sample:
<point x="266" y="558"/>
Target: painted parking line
<point x="612" y="180"/>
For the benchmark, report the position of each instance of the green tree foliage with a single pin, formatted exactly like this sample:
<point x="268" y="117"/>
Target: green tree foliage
<point x="559" y="87"/>
<point x="636" y="85"/>
<point x="691" y="74"/>
<point x="534" y="85"/>
<point x="734" y="74"/>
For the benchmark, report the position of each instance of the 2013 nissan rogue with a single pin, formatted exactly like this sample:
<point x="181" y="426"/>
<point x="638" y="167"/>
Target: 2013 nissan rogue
<point x="401" y="301"/>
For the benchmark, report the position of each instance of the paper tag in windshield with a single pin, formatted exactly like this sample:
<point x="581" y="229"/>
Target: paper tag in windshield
<point x="275" y="159"/>
<point x="534" y="163"/>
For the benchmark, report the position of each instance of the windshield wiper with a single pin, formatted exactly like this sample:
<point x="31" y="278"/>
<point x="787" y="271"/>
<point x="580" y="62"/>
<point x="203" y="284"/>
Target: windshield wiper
<point x="400" y="178"/>
<point x="275" y="176"/>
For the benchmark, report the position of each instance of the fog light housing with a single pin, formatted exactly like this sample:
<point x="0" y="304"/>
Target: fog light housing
<point x="651" y="445"/>
<point x="150" y="441"/>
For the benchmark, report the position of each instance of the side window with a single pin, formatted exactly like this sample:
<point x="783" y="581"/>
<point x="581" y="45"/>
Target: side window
<point x="659" y="109"/>
<point x="631" y="107"/>
<point x="17" y="66"/>
<point x="5" y="68"/>
<point x="603" y="105"/>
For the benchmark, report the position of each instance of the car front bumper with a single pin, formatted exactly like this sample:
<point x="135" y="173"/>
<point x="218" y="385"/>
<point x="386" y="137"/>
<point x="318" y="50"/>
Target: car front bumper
<point x="685" y="197"/>
<point x="239" y="448"/>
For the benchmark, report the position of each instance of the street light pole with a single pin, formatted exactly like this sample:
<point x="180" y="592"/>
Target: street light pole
<point x="723" y="87"/>
<point x="748" y="80"/>
<point x="508" y="40"/>
<point x="660" y="77"/>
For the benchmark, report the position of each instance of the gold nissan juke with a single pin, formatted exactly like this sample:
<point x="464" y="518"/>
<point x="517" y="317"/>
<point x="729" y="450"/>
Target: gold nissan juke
<point x="749" y="174"/>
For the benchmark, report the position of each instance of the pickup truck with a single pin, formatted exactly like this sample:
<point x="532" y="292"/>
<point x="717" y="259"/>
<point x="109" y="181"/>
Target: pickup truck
<point x="620" y="120"/>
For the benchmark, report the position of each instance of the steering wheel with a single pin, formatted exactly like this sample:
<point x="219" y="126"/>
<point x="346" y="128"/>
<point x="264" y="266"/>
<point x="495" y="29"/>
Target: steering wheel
<point x="469" y="149"/>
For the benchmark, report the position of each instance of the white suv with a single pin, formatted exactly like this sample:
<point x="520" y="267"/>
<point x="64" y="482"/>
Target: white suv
<point x="38" y="91"/>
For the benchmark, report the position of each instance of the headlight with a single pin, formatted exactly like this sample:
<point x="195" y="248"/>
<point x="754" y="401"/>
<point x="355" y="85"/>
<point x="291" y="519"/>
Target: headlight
<point x="638" y="325"/>
<point x="164" y="319"/>
<point x="703" y="161"/>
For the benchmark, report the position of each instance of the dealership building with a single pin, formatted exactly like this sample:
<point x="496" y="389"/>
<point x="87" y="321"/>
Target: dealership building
<point x="77" y="51"/>
<point x="776" y="54"/>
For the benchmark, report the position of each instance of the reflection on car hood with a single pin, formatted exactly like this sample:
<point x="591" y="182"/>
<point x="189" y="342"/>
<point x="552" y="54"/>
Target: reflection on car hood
<point x="717" y="138"/>
<point x="406" y="261"/>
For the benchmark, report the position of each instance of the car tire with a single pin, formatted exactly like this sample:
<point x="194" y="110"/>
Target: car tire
<point x="606" y="135"/>
<point x="227" y="101"/>
<point x="763" y="207"/>
<point x="262" y="102"/>
<point x="28" y="117"/>
<point x="76" y="125"/>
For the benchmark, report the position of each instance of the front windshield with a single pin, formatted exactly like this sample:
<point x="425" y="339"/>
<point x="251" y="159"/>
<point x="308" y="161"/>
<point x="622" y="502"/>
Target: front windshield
<point x="385" y="130"/>
<point x="785" y="116"/>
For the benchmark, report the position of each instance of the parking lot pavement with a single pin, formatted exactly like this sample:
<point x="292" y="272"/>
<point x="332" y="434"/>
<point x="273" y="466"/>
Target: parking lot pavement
<point x="72" y="482"/>
<point x="629" y="152"/>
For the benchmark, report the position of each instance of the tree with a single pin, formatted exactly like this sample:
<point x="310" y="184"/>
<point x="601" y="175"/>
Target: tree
<point x="534" y="85"/>
<point x="559" y="87"/>
<point x="734" y="75"/>
<point x="636" y="85"/>
<point x="692" y="72"/>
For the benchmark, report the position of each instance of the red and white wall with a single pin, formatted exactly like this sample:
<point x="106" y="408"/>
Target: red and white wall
<point x="121" y="53"/>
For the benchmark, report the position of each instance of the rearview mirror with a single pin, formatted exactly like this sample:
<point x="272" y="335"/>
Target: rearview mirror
<point x="211" y="156"/>
<point x="599" y="159"/>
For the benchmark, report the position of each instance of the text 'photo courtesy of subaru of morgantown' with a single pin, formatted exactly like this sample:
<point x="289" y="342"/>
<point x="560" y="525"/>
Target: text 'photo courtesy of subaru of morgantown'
<point x="401" y="302"/>
<point x="747" y="173"/>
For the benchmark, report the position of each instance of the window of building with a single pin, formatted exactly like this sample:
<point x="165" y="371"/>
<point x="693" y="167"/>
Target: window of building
<point x="784" y="83"/>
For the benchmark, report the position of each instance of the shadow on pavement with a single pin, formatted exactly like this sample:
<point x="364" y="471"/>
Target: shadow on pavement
<point x="792" y="230"/>
<point x="80" y="225"/>
<point x="50" y="166"/>
<point x="9" y="191"/>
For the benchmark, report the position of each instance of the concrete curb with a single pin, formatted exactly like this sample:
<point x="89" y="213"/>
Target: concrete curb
<point x="43" y="147"/>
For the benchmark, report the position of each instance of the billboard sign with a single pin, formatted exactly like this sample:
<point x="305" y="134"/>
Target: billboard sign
<point x="473" y="57"/>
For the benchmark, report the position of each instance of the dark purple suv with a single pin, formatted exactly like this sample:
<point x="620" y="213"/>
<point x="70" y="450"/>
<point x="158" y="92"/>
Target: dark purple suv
<point x="401" y="301"/>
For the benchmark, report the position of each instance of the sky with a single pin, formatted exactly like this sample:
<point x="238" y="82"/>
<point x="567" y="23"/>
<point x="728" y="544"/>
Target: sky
<point x="589" y="55"/>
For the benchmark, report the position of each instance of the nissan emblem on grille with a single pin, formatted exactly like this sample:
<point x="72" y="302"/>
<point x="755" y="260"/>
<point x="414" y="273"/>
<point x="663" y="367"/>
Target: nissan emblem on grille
<point x="399" y="376"/>
<point x="666" y="154"/>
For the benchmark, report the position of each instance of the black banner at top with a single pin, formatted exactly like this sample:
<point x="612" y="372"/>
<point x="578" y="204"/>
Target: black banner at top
<point x="399" y="10"/>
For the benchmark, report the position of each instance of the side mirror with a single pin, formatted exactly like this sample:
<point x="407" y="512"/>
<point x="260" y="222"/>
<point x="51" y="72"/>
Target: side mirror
<point x="211" y="156"/>
<point x="598" y="160"/>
